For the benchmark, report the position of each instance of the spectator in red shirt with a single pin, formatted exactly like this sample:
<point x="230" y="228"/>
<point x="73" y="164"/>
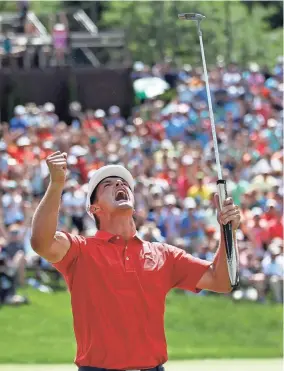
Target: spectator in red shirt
<point x="275" y="227"/>
<point x="271" y="213"/>
<point x="94" y="121"/>
<point x="257" y="231"/>
<point x="155" y="127"/>
<point x="118" y="282"/>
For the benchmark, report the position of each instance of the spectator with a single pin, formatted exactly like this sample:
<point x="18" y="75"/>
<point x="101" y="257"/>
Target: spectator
<point x="23" y="8"/>
<point x="60" y="34"/>
<point x="114" y="117"/>
<point x="7" y="49"/>
<point x="14" y="251"/>
<point x="192" y="224"/>
<point x="49" y="116"/>
<point x="257" y="232"/>
<point x="200" y="190"/>
<point x="19" y="121"/>
<point x="273" y="270"/>
<point x="73" y="202"/>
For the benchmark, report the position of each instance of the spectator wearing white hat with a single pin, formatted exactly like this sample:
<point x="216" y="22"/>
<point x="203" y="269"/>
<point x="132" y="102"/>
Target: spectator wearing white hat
<point x="12" y="203"/>
<point x="93" y="122"/>
<point x="170" y="218"/>
<point x="191" y="225"/>
<point x="114" y="116"/>
<point x="19" y="122"/>
<point x="73" y="204"/>
<point x="273" y="270"/>
<point x="49" y="115"/>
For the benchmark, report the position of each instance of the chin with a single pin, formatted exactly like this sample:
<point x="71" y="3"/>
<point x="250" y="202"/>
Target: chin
<point x="124" y="206"/>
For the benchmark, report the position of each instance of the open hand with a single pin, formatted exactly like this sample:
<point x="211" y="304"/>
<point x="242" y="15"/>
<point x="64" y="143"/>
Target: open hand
<point x="229" y="213"/>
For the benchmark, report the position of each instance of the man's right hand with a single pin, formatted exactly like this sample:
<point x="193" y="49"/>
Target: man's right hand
<point x="57" y="165"/>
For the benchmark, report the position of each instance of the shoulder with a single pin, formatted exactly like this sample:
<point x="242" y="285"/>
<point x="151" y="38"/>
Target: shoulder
<point x="164" y="249"/>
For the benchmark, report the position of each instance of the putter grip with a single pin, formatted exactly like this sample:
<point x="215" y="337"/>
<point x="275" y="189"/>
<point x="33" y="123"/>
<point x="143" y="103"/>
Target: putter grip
<point x="228" y="236"/>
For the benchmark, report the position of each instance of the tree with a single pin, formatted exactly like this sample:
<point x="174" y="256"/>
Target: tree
<point x="275" y="19"/>
<point x="154" y="31"/>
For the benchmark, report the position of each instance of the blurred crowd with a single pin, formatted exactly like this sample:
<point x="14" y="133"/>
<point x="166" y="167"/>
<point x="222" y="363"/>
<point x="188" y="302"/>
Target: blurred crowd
<point x="168" y="148"/>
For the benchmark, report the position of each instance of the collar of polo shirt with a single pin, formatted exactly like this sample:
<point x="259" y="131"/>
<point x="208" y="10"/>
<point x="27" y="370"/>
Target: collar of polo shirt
<point x="106" y="236"/>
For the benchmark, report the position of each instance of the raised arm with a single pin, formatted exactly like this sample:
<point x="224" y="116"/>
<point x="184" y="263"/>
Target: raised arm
<point x="216" y="278"/>
<point x="45" y="240"/>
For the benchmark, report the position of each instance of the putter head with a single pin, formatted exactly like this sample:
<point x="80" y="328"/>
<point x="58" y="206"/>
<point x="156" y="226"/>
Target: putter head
<point x="191" y="16"/>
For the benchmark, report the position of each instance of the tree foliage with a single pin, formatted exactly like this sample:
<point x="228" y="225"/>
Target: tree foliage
<point x="230" y="30"/>
<point x="275" y="18"/>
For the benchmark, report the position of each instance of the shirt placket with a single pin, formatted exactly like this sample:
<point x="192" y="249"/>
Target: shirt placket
<point x="128" y="260"/>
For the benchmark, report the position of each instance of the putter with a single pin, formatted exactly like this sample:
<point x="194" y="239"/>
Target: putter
<point x="231" y="250"/>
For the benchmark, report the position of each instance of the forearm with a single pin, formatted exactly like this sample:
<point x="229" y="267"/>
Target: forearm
<point x="45" y="219"/>
<point x="220" y="266"/>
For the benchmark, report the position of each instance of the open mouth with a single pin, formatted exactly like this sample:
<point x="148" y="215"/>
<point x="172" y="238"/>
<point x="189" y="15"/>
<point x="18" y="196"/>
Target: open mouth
<point x="121" y="195"/>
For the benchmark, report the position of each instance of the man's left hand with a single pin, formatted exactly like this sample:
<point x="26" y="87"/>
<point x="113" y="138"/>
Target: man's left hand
<point x="229" y="213"/>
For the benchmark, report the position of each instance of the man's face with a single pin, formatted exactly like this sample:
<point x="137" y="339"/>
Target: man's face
<point x="114" y="194"/>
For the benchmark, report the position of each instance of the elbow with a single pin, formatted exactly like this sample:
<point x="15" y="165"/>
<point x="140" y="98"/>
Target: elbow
<point x="35" y="244"/>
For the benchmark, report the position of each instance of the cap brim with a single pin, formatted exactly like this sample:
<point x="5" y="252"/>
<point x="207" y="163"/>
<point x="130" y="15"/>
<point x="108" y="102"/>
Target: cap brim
<point x="106" y="172"/>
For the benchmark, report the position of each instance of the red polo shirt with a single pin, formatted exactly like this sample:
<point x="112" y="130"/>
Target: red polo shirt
<point x="118" y="293"/>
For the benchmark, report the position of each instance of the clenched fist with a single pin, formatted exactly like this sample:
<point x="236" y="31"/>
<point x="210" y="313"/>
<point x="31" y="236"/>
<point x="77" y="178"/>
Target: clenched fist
<point x="57" y="165"/>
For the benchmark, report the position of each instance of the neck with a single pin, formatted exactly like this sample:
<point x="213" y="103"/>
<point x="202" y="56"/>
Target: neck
<point x="119" y="225"/>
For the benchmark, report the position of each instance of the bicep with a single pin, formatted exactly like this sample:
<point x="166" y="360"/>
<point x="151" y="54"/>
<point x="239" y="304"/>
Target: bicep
<point x="58" y="249"/>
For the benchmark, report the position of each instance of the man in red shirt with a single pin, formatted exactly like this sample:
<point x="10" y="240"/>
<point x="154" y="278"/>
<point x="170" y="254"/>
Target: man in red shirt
<point x="118" y="282"/>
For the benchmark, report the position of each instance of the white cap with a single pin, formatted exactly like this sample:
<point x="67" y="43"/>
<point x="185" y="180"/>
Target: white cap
<point x="99" y="114"/>
<point x="274" y="249"/>
<point x="256" y="211"/>
<point x="106" y="172"/>
<point x="113" y="110"/>
<point x="20" y="110"/>
<point x="170" y="199"/>
<point x="78" y="151"/>
<point x="23" y="141"/>
<point x="49" y="107"/>
<point x="271" y="203"/>
<point x="189" y="203"/>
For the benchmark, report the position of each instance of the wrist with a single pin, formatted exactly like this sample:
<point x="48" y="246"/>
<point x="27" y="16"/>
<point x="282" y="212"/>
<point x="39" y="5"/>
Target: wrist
<point x="56" y="186"/>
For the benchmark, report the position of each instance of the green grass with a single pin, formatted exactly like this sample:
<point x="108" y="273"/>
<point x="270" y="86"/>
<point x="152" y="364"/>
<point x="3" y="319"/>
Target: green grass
<point x="196" y="327"/>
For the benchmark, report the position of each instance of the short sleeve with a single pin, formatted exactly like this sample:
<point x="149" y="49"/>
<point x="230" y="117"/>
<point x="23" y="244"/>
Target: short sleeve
<point x="68" y="262"/>
<point x="186" y="269"/>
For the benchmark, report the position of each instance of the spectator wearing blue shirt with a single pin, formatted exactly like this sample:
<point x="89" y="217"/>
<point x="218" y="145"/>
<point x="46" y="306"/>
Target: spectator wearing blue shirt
<point x="7" y="44"/>
<point x="191" y="223"/>
<point x="273" y="269"/>
<point x="19" y="121"/>
<point x="176" y="126"/>
<point x="114" y="116"/>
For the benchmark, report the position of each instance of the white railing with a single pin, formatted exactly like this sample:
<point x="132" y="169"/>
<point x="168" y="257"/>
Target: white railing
<point x="37" y="23"/>
<point x="86" y="21"/>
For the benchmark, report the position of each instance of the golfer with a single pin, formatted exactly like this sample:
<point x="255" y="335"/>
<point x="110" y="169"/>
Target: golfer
<point x="118" y="282"/>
